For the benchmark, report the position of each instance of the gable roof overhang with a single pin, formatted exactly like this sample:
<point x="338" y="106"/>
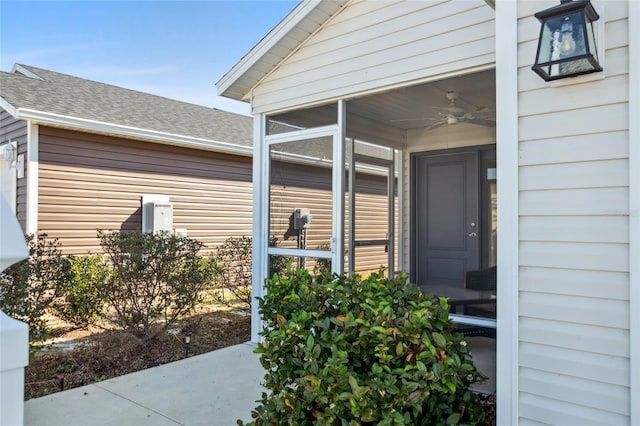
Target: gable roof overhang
<point x="303" y="21"/>
<point x="281" y="42"/>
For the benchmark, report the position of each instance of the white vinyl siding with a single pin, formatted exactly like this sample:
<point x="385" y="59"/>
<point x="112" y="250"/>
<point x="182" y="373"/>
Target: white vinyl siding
<point x="574" y="235"/>
<point x="372" y="45"/>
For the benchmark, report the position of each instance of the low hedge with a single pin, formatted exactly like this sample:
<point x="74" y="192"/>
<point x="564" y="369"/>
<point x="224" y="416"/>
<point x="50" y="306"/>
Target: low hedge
<point x="351" y="351"/>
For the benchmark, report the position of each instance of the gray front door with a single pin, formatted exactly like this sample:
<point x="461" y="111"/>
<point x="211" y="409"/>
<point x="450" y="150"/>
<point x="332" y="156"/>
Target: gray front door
<point x="446" y="218"/>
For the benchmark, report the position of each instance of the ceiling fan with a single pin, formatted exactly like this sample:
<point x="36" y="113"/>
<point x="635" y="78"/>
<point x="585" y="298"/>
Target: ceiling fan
<point x="455" y="114"/>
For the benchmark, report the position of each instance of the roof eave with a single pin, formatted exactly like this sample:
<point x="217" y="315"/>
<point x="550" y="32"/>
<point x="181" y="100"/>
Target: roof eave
<point x="229" y="86"/>
<point x="8" y="107"/>
<point x="92" y="126"/>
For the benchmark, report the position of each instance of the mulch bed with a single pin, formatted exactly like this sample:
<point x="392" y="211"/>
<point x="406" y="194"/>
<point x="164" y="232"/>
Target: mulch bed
<point x="104" y="354"/>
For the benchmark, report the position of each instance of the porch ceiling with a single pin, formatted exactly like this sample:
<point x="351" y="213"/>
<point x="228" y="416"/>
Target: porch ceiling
<point x="419" y="105"/>
<point x="387" y="117"/>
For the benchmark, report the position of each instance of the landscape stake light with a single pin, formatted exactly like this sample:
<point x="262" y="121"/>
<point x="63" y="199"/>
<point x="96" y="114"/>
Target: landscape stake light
<point x="187" y="341"/>
<point x="567" y="42"/>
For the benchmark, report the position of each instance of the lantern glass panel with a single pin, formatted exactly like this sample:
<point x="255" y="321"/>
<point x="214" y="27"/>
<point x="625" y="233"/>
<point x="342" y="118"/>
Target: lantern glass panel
<point x="563" y="37"/>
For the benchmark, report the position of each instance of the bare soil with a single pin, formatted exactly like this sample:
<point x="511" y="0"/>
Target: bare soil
<point x="76" y="357"/>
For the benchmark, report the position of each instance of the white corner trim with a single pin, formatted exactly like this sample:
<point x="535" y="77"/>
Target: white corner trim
<point x="33" y="159"/>
<point x="634" y="210"/>
<point x="507" y="355"/>
<point x="94" y="126"/>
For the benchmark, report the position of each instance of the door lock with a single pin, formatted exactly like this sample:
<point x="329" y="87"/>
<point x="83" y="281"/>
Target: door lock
<point x="472" y="234"/>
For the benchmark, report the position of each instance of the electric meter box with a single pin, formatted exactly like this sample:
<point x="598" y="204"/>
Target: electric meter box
<point x="302" y="218"/>
<point x="158" y="217"/>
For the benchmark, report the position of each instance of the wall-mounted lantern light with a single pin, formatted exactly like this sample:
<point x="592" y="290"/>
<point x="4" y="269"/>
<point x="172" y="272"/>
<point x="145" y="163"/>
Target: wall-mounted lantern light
<point x="567" y="43"/>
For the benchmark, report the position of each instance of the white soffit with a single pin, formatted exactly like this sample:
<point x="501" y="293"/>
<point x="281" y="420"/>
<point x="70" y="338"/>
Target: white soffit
<point x="276" y="46"/>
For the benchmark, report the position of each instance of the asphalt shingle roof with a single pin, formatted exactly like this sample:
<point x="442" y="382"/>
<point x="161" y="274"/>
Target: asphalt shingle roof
<point x="76" y="97"/>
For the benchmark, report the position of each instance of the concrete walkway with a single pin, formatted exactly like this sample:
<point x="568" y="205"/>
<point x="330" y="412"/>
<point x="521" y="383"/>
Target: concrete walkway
<point x="216" y="388"/>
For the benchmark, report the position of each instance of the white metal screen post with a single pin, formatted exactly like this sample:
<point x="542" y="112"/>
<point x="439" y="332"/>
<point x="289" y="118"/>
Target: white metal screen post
<point x="337" y="264"/>
<point x="260" y="221"/>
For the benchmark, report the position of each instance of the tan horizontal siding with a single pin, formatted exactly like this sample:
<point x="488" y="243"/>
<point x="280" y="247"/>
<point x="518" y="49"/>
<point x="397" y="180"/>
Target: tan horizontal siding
<point x="89" y="182"/>
<point x="295" y="186"/>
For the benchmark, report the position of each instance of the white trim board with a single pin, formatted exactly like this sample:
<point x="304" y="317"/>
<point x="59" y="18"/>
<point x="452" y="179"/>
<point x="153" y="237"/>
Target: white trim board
<point x="33" y="160"/>
<point x="94" y="126"/>
<point x="506" y="24"/>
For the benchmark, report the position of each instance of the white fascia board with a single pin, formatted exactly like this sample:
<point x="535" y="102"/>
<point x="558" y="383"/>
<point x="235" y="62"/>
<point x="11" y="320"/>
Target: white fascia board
<point x="8" y="107"/>
<point x="264" y="45"/>
<point x="294" y="18"/>
<point x="93" y="126"/>
<point x="17" y="68"/>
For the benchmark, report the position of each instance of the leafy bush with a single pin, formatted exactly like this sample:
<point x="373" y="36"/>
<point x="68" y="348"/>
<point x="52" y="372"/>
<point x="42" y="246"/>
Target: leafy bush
<point x="27" y="288"/>
<point x="234" y="260"/>
<point x="342" y="350"/>
<point x="323" y="266"/>
<point x="80" y="299"/>
<point x="155" y="276"/>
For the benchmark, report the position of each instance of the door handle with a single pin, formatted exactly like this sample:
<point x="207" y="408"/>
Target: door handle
<point x="472" y="234"/>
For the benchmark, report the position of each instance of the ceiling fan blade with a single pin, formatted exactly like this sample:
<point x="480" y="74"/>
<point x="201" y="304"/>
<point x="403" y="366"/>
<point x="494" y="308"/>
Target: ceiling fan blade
<point x="436" y="125"/>
<point x="483" y="111"/>
<point x="480" y="122"/>
<point x="413" y="119"/>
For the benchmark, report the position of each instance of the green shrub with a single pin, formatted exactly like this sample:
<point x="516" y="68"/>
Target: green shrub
<point x="323" y="266"/>
<point x="234" y="260"/>
<point x="342" y="350"/>
<point x="80" y="299"/>
<point x="27" y="288"/>
<point x="156" y="276"/>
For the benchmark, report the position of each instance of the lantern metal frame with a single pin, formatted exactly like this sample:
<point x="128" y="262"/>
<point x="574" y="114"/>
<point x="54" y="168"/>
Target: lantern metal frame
<point x="567" y="44"/>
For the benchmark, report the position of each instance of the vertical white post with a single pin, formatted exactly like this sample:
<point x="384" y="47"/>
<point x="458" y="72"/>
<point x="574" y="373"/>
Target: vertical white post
<point x="507" y="356"/>
<point x="33" y="158"/>
<point x="400" y="189"/>
<point x="260" y="221"/>
<point x="14" y="335"/>
<point x="338" y="190"/>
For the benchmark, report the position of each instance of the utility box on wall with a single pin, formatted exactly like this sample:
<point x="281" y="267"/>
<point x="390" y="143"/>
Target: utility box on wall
<point x="301" y="218"/>
<point x="157" y="214"/>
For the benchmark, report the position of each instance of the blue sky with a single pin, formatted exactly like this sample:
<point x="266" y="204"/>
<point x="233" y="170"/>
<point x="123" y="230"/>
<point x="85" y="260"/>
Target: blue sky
<point x="176" y="49"/>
